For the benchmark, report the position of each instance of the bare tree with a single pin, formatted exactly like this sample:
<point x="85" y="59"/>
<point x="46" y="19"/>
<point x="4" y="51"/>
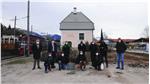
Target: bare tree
<point x="146" y="32"/>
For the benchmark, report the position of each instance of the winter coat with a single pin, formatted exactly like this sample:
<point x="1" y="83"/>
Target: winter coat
<point x="103" y="48"/>
<point x="82" y="47"/>
<point x="80" y="58"/>
<point x="62" y="59"/>
<point x="93" y="48"/>
<point x="66" y="49"/>
<point x="36" y="51"/>
<point x="49" y="60"/>
<point x="99" y="59"/>
<point x="50" y="47"/>
<point x="121" y="47"/>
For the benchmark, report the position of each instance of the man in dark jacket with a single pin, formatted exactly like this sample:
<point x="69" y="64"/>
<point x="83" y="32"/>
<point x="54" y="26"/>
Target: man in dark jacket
<point x="62" y="61"/>
<point x="120" y="49"/>
<point x="93" y="50"/>
<point x="47" y="62"/>
<point x="103" y="51"/>
<point x="81" y="59"/>
<point x="66" y="51"/>
<point x="82" y="47"/>
<point x="36" y="48"/>
<point x="52" y="48"/>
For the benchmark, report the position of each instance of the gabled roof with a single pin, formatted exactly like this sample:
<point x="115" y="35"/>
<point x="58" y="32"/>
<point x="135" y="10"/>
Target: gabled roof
<point x="76" y="21"/>
<point x="76" y="17"/>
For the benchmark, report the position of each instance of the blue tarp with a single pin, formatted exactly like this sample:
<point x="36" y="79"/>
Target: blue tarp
<point x="36" y="34"/>
<point x="56" y="37"/>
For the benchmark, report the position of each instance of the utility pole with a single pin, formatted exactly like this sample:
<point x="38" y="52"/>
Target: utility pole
<point x="31" y="28"/>
<point x="28" y="25"/>
<point x="15" y="27"/>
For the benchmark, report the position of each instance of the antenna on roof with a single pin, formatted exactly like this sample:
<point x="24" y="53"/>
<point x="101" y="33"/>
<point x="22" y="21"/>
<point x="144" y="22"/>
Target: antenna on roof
<point x="75" y="10"/>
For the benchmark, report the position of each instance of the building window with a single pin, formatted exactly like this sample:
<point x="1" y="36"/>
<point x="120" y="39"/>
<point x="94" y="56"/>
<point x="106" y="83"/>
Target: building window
<point x="81" y="36"/>
<point x="11" y="40"/>
<point x="6" y="40"/>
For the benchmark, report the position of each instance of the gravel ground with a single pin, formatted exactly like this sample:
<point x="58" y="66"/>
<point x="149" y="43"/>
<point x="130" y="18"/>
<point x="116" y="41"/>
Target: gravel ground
<point x="15" y="73"/>
<point x="19" y="71"/>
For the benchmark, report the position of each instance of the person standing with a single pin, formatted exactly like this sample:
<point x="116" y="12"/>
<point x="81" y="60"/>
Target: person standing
<point x="37" y="49"/>
<point x="52" y="49"/>
<point x="82" y="47"/>
<point x="66" y="51"/>
<point x="103" y="50"/>
<point x="93" y="50"/>
<point x="120" y="49"/>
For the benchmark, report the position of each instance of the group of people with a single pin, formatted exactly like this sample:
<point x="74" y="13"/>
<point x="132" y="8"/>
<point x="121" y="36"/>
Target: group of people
<point x="62" y="58"/>
<point x="98" y="53"/>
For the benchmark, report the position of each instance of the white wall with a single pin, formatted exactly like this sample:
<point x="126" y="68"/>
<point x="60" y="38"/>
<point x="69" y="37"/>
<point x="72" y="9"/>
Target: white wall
<point x="73" y="36"/>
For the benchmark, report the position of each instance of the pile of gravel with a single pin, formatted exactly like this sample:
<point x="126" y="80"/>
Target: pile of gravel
<point x="138" y="65"/>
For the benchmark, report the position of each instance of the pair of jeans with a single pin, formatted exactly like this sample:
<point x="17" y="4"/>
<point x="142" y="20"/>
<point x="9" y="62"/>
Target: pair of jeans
<point x="120" y="59"/>
<point x="61" y="66"/>
<point x="47" y="66"/>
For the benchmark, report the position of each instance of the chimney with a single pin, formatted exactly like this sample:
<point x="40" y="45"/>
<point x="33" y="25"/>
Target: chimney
<point x="75" y="10"/>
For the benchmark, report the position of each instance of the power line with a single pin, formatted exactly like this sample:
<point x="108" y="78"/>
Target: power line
<point x="18" y="18"/>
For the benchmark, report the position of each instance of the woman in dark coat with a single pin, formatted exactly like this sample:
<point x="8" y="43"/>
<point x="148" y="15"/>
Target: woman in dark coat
<point x="103" y="51"/>
<point x="98" y="60"/>
<point x="93" y="50"/>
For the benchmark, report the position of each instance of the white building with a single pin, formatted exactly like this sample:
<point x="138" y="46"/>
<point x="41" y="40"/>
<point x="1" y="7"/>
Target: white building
<point x="76" y="27"/>
<point x="9" y="39"/>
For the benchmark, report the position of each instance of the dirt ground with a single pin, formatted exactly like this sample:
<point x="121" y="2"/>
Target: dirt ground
<point x="20" y="72"/>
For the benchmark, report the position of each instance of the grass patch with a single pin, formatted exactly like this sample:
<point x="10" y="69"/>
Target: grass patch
<point x="20" y="61"/>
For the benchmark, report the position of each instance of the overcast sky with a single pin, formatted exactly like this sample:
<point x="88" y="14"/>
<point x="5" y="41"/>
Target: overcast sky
<point x="125" y="19"/>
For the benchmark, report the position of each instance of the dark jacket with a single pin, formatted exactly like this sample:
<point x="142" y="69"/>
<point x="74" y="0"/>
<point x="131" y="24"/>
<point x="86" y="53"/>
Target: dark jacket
<point x="80" y="58"/>
<point x="103" y="48"/>
<point x="50" y="47"/>
<point x="93" y="48"/>
<point x="66" y="49"/>
<point x="121" y="47"/>
<point x="49" y="60"/>
<point x="99" y="58"/>
<point x="62" y="59"/>
<point x="36" y="51"/>
<point x="82" y="47"/>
